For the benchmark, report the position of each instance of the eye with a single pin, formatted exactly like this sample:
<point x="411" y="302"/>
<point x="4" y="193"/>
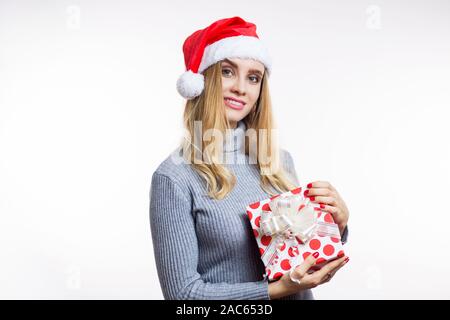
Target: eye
<point x="227" y="72"/>
<point x="254" y="79"/>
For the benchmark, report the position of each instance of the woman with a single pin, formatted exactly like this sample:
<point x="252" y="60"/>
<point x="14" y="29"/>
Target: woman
<point x="203" y="243"/>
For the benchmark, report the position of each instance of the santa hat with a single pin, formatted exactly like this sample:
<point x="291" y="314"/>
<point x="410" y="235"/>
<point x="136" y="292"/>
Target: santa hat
<point x="226" y="38"/>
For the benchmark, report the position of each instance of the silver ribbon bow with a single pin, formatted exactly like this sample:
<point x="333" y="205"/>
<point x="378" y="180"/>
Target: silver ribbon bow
<point x="289" y="225"/>
<point x="286" y="220"/>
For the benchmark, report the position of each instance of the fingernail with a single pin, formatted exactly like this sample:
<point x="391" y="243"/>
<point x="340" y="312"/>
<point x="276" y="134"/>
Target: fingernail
<point x="309" y="185"/>
<point x="315" y="254"/>
<point x="322" y="206"/>
<point x="346" y="259"/>
<point x="312" y="198"/>
<point x="306" y="193"/>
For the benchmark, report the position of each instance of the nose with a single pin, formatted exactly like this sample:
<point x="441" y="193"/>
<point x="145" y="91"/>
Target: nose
<point x="239" y="86"/>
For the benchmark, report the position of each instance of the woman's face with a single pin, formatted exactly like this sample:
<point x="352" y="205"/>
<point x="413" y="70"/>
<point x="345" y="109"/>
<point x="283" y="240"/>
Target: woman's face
<point x="241" y="84"/>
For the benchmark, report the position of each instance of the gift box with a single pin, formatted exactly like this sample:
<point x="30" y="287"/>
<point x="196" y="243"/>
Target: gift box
<point x="288" y="228"/>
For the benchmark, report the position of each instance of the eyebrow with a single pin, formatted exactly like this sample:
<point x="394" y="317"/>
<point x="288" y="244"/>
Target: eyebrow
<point x="236" y="66"/>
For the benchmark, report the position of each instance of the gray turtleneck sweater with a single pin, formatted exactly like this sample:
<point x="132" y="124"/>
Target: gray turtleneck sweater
<point x="205" y="248"/>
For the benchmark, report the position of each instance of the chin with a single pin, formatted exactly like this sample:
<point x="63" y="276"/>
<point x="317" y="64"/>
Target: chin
<point x="235" y="115"/>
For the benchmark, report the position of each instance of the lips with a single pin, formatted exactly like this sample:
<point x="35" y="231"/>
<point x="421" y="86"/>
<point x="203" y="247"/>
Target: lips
<point x="234" y="103"/>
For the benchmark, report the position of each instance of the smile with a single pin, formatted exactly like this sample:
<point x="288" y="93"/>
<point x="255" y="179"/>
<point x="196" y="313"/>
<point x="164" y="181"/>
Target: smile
<point x="237" y="105"/>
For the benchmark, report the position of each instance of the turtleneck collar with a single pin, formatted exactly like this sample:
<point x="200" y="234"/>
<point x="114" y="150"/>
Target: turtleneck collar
<point x="235" y="139"/>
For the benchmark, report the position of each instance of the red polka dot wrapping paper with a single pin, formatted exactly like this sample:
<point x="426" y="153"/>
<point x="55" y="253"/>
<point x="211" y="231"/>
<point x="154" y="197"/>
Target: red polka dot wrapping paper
<point x="290" y="253"/>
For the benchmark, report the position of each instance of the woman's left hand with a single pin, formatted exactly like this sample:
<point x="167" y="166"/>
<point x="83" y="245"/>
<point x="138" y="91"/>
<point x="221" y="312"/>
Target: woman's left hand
<point x="323" y="193"/>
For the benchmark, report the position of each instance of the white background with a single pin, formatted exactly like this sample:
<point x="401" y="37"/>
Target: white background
<point x="88" y="109"/>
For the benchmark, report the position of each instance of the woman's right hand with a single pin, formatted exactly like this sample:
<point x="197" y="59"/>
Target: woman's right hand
<point x="311" y="280"/>
<point x="287" y="285"/>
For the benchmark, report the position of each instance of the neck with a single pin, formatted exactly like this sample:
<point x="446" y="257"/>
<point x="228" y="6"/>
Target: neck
<point x="235" y="138"/>
<point x="233" y="124"/>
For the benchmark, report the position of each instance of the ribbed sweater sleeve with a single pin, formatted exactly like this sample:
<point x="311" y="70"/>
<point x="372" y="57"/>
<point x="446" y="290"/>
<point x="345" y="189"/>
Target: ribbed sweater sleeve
<point x="176" y="248"/>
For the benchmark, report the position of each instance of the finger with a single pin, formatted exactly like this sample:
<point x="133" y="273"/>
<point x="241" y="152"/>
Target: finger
<point x="320" y="184"/>
<point x="303" y="268"/>
<point x="333" y="210"/>
<point x="325" y="274"/>
<point x="332" y="273"/>
<point x="340" y="266"/>
<point x="346" y="260"/>
<point x="331" y="201"/>
<point x="317" y="192"/>
<point x="330" y="266"/>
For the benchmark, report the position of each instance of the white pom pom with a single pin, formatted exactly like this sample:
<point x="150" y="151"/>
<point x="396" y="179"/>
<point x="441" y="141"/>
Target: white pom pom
<point x="190" y="85"/>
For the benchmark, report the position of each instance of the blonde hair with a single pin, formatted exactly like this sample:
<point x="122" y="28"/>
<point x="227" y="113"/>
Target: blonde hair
<point x="209" y="109"/>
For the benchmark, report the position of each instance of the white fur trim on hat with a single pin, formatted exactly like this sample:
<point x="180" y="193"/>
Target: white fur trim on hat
<point x="190" y="85"/>
<point x="244" y="47"/>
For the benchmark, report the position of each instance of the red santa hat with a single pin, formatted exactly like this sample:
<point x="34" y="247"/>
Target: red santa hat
<point x="225" y="38"/>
